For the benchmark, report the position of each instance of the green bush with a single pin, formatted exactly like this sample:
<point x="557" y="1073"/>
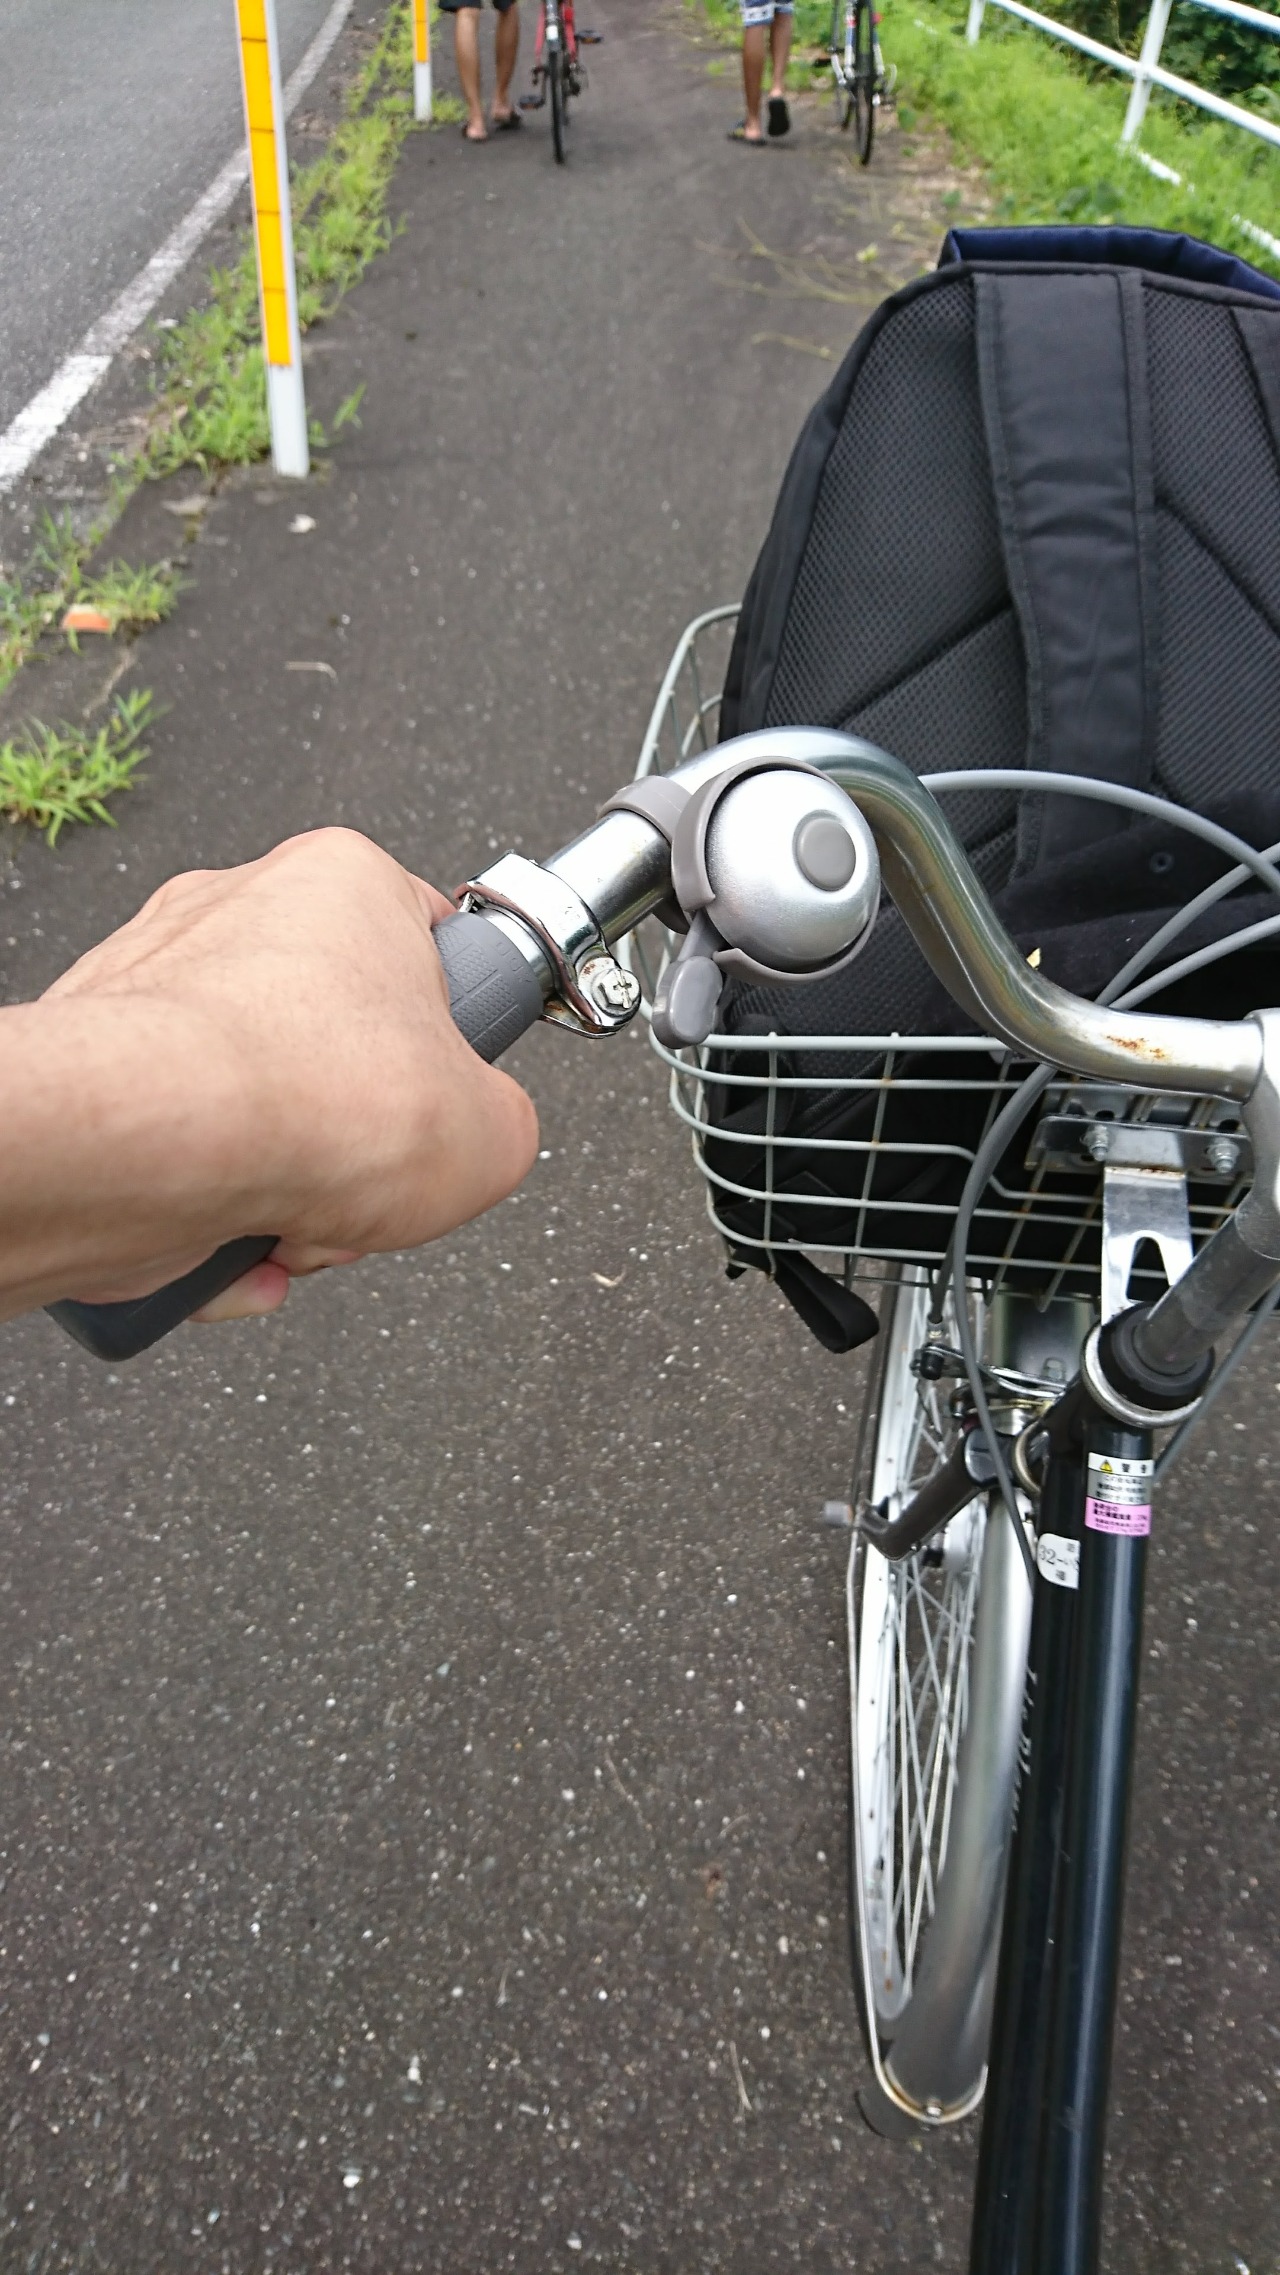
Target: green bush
<point x="1231" y="59"/>
<point x="1228" y="58"/>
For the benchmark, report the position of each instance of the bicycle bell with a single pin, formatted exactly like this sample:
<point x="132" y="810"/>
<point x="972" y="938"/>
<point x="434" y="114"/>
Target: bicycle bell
<point x="778" y="877"/>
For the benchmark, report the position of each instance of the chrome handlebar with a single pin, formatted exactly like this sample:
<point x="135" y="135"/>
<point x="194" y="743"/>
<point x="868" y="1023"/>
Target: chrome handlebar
<point x="621" y="869"/>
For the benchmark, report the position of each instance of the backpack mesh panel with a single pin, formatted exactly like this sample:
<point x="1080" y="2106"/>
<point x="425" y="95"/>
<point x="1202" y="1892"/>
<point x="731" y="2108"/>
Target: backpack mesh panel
<point x="1219" y="557"/>
<point x="1211" y="442"/>
<point x="903" y="558"/>
<point x="1219" y="719"/>
<point x="978" y="688"/>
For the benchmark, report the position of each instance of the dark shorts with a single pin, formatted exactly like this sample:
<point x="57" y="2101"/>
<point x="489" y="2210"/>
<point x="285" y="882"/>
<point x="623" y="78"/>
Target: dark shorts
<point x="451" y="7"/>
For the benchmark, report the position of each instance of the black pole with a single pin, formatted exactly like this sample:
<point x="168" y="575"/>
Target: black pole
<point x="1002" y="2237"/>
<point x="1104" y="1688"/>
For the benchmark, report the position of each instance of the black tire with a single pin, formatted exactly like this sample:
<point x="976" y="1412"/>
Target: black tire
<point x="842" y="93"/>
<point x="864" y="81"/>
<point x="557" y="84"/>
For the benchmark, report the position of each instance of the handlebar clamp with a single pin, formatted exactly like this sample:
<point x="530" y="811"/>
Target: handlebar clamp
<point x="590" y="990"/>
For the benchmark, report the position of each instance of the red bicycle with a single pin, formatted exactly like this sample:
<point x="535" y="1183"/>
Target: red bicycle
<point x="557" y="68"/>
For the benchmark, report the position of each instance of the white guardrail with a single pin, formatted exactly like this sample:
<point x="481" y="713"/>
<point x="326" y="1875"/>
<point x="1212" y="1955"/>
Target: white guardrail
<point x="1147" y="71"/>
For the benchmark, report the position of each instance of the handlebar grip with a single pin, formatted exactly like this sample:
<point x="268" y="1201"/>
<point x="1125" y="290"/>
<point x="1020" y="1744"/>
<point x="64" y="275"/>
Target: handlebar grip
<point x="121" y="1330"/>
<point x="493" y="994"/>
<point x="494" y="997"/>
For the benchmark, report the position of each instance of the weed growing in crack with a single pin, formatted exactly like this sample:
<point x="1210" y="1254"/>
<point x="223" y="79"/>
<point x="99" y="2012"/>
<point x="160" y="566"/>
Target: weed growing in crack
<point x="33" y="600"/>
<point x="50" y="776"/>
<point x="130" y="598"/>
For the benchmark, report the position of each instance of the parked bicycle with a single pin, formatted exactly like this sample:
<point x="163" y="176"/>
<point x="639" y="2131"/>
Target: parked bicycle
<point x="859" y="78"/>
<point x="558" y="73"/>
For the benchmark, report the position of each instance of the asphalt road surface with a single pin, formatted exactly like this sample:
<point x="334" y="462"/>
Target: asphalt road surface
<point x="422" y="1716"/>
<point x="113" y="119"/>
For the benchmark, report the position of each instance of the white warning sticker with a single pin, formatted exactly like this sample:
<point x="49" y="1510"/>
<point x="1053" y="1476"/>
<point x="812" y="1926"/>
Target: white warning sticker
<point x="1118" y="1498"/>
<point x="1058" y="1559"/>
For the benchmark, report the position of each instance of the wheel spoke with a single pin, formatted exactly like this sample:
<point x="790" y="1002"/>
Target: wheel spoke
<point x="921" y="1661"/>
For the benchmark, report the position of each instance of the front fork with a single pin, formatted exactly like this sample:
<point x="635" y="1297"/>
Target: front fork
<point x="1037" y="2207"/>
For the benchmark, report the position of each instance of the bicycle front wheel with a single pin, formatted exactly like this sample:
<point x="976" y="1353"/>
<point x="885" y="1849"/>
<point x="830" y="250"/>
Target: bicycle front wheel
<point x="938" y="1644"/>
<point x="864" y="81"/>
<point x="840" y="48"/>
<point x="557" y="81"/>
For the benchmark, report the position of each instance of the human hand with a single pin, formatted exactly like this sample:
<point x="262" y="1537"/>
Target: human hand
<point x="267" y="1048"/>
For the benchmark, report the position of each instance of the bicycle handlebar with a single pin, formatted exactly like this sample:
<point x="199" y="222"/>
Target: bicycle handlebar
<point x="533" y="941"/>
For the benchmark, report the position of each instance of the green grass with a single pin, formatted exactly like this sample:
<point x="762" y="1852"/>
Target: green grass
<point x="1045" y="131"/>
<point x="130" y="598"/>
<point x="212" y="408"/>
<point x="1047" y="134"/>
<point x="33" y="600"/>
<point x="50" y="776"/>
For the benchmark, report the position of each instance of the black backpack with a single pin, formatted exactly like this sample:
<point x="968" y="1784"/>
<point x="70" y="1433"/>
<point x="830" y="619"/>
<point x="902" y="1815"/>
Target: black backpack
<point x="1034" y="521"/>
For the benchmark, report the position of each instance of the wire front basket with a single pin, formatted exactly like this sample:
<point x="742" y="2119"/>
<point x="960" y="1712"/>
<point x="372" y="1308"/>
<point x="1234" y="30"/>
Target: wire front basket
<point x="852" y="1149"/>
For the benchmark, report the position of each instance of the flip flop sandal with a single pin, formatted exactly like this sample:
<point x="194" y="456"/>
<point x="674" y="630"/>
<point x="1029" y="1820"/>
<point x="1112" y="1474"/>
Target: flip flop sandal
<point x="506" y="125"/>
<point x="779" y="117"/>
<point x="477" y="141"/>
<point x="739" y="133"/>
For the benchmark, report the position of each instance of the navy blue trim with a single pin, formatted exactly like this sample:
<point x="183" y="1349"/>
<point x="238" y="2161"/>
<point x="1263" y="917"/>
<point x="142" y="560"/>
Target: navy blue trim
<point x="1161" y="250"/>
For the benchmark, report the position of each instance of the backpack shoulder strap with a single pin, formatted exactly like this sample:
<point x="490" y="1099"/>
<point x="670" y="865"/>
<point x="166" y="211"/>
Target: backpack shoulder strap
<point x="1063" y="373"/>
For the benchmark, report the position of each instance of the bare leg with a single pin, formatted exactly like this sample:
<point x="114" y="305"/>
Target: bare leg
<point x="780" y="51"/>
<point x="506" y="45"/>
<point x="466" y="49"/>
<point x="753" y="77"/>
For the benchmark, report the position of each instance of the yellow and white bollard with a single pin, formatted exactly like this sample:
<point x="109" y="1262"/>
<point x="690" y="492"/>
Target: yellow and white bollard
<point x="422" y="58"/>
<point x="273" y="232"/>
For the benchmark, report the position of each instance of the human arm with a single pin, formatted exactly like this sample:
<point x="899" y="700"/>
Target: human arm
<point x="262" y="1049"/>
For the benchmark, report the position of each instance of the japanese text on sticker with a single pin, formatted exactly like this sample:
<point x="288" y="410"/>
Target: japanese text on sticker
<point x="1119" y="1495"/>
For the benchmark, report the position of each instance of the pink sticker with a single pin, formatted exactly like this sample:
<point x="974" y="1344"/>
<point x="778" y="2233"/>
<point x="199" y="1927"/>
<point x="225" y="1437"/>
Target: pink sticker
<point x="1105" y="1516"/>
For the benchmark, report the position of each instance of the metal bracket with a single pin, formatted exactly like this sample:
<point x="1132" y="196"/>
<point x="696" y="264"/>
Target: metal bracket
<point x="1087" y="1129"/>
<point x="594" y="993"/>
<point x="1138" y="1205"/>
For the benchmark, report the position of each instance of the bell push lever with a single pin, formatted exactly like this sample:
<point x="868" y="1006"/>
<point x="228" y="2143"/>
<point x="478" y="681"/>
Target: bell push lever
<point x="774" y="877"/>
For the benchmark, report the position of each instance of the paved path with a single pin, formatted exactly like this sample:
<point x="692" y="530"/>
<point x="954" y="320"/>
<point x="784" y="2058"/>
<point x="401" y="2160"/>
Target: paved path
<point x="377" y="1806"/>
<point x="112" y="121"/>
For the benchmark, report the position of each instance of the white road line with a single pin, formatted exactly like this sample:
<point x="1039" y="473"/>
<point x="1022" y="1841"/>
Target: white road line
<point x="40" y="419"/>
